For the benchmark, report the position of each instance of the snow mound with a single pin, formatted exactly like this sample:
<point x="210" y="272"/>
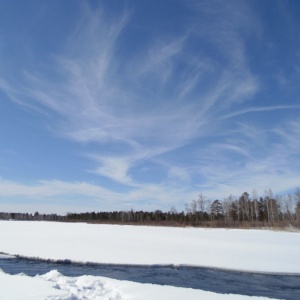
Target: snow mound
<point x="81" y="288"/>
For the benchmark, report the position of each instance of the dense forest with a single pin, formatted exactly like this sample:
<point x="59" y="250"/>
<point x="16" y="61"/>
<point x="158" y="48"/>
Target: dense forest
<point x="244" y="211"/>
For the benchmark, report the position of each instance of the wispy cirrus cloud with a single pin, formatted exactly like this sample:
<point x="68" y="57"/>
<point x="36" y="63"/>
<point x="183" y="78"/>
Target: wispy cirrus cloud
<point x="254" y="158"/>
<point x="63" y="196"/>
<point x="261" y="109"/>
<point x="94" y="103"/>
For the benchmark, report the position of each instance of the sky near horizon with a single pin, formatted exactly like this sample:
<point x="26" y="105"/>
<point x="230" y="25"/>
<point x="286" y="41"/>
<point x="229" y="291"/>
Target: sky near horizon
<point x="111" y="105"/>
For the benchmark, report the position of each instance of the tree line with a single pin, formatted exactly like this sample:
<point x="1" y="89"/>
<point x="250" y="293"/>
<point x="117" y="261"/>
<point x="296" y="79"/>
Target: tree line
<point x="244" y="211"/>
<point x="31" y="217"/>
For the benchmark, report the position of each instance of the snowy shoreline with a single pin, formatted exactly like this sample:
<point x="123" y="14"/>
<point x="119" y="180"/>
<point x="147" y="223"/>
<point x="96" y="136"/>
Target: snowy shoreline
<point x="55" y="286"/>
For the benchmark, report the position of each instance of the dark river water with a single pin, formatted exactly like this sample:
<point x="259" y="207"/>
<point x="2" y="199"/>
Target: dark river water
<point x="275" y="286"/>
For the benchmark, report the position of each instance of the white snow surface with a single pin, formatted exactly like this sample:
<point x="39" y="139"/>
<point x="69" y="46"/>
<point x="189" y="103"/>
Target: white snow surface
<point x="55" y="286"/>
<point x="247" y="250"/>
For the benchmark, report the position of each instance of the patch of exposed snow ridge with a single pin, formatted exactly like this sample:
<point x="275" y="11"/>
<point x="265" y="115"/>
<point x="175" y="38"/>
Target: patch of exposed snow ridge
<point x="81" y="288"/>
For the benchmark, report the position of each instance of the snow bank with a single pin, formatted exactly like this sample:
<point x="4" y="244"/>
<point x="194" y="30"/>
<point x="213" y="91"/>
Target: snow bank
<point x="54" y="286"/>
<point x="248" y="250"/>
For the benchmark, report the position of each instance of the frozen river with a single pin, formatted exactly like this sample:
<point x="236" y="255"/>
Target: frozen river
<point x="256" y="258"/>
<point x="220" y="281"/>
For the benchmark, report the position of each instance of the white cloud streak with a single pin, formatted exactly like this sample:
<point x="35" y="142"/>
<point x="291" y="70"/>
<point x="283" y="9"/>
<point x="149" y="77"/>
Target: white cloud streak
<point x="49" y="194"/>
<point x="261" y="109"/>
<point x="263" y="162"/>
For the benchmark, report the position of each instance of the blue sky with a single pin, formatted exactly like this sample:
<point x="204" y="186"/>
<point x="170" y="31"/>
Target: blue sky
<point x="111" y="105"/>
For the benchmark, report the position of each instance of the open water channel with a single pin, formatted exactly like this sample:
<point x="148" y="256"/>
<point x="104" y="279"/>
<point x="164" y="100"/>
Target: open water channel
<point x="220" y="281"/>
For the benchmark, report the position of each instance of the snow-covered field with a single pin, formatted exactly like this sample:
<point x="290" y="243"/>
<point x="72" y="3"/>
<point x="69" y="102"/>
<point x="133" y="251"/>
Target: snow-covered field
<point x="248" y="250"/>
